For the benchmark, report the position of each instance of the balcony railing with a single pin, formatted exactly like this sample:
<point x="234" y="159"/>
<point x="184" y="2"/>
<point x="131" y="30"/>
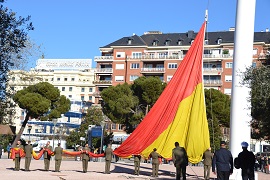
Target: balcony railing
<point x="212" y="82"/>
<point x="103" y="58"/>
<point x="212" y="70"/>
<point x="157" y="57"/>
<point x="152" y="70"/>
<point x="109" y="82"/>
<point x="103" y="70"/>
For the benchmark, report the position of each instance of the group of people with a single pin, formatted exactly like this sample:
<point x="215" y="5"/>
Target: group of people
<point x="57" y="152"/>
<point x="221" y="161"/>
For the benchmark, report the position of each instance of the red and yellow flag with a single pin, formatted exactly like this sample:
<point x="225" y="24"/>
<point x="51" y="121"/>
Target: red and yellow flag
<point x="179" y="115"/>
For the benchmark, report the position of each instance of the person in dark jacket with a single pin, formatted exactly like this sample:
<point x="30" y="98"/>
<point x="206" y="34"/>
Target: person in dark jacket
<point x="222" y="163"/>
<point x="246" y="160"/>
<point x="180" y="160"/>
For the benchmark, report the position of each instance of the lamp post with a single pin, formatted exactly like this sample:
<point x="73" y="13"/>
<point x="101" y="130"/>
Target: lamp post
<point x="54" y="124"/>
<point x="102" y="124"/>
<point x="29" y="130"/>
<point x="60" y="132"/>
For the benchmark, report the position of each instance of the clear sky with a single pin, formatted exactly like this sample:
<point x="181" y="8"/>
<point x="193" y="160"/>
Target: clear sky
<point x="77" y="28"/>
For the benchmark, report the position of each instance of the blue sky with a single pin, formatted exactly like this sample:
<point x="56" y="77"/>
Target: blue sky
<point x="76" y="29"/>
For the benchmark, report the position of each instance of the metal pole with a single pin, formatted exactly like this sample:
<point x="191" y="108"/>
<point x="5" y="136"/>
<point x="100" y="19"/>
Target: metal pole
<point x="53" y="134"/>
<point x="101" y="141"/>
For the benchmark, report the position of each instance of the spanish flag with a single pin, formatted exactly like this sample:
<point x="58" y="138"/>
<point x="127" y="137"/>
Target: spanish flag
<point x="179" y="115"/>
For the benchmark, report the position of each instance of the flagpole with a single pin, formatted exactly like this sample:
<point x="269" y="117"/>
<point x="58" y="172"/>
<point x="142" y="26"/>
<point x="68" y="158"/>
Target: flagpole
<point x="242" y="58"/>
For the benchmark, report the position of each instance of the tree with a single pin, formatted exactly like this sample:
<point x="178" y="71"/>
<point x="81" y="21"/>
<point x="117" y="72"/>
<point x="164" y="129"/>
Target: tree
<point x="218" y="114"/>
<point x="257" y="79"/>
<point x="119" y="103"/>
<point x="148" y="90"/>
<point x="42" y="101"/>
<point x="16" y="47"/>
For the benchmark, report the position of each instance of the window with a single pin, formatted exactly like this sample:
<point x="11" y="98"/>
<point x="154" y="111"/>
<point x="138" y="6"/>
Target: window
<point x="180" y="42"/>
<point x="169" y="78"/>
<point x="63" y="88"/>
<point x="70" y="96"/>
<point x="219" y="41"/>
<point x="46" y="79"/>
<point x="12" y="88"/>
<point x="58" y="79"/>
<point x="133" y="77"/>
<point x="255" y="51"/>
<point x="113" y="126"/>
<point x="228" y="65"/>
<point x="228" y="78"/>
<point x="52" y="79"/>
<point x="82" y="98"/>
<point x="172" y="66"/>
<point x="72" y="79"/>
<point x="13" y="78"/>
<point x="191" y="42"/>
<point x="134" y="66"/>
<point x="137" y="55"/>
<point x="227" y="91"/>
<point x="70" y="88"/>
<point x="119" y="66"/>
<point x="206" y="42"/>
<point x="90" y="98"/>
<point x="65" y="79"/>
<point x="83" y="89"/>
<point x="119" y="78"/>
<point x="90" y="89"/>
<point x="120" y="54"/>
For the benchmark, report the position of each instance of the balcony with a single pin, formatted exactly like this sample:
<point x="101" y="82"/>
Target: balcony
<point x="157" y="57"/>
<point x="212" y="71"/>
<point x="103" y="82"/>
<point x="152" y="70"/>
<point x="213" y="83"/>
<point x="103" y="58"/>
<point x="103" y="70"/>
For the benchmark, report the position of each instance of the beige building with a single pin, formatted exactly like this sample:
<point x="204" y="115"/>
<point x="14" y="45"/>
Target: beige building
<point x="73" y="77"/>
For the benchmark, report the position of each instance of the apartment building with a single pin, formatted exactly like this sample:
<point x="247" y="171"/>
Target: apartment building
<point x="73" y="77"/>
<point x="159" y="54"/>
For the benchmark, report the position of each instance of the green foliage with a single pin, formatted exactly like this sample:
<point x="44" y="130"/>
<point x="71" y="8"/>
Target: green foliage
<point x="218" y="114"/>
<point x="13" y="40"/>
<point x="5" y="140"/>
<point x="258" y="80"/>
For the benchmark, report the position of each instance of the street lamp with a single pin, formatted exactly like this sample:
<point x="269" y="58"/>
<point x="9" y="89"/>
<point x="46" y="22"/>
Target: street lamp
<point x="102" y="124"/>
<point x="60" y="132"/>
<point x="29" y="130"/>
<point x="54" y="120"/>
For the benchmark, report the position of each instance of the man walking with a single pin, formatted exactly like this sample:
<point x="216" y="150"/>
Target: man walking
<point x="108" y="158"/>
<point x="180" y="160"/>
<point x="155" y="162"/>
<point x="137" y="160"/>
<point x="47" y="156"/>
<point x="222" y="163"/>
<point x="85" y="157"/>
<point x="58" y="152"/>
<point x="207" y="162"/>
<point x="18" y="148"/>
<point x="28" y="149"/>
<point x="246" y="160"/>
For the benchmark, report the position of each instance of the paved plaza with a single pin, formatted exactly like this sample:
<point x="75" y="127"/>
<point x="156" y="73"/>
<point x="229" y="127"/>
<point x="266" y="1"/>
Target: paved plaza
<point x="72" y="170"/>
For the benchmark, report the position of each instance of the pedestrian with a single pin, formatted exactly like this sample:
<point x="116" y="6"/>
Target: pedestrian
<point x="1" y="151"/>
<point x="58" y="152"/>
<point x="207" y="163"/>
<point x="108" y="158"/>
<point x="155" y="162"/>
<point x="47" y="156"/>
<point x="85" y="157"/>
<point x="28" y="149"/>
<point x="137" y="160"/>
<point x="19" y="148"/>
<point x="180" y="160"/>
<point x="222" y="164"/>
<point x="8" y="149"/>
<point x="246" y="161"/>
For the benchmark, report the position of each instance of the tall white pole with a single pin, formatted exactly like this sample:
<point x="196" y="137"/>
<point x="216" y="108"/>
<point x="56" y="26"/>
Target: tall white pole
<point x="242" y="58"/>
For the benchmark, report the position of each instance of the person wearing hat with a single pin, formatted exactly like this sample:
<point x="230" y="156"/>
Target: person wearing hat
<point x="222" y="163"/>
<point x="246" y="160"/>
<point x="58" y="152"/>
<point x="207" y="162"/>
<point x="28" y="149"/>
<point x="155" y="162"/>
